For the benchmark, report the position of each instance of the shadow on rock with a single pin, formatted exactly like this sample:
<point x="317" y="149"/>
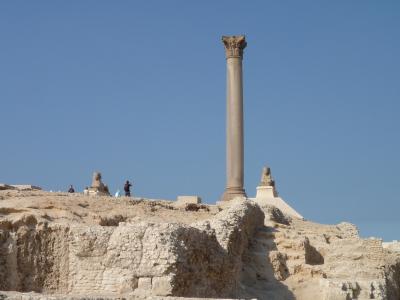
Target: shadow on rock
<point x="264" y="269"/>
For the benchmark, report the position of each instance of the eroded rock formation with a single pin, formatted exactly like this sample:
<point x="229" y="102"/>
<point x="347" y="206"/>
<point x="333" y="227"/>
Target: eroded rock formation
<point x="159" y="259"/>
<point x="65" y="246"/>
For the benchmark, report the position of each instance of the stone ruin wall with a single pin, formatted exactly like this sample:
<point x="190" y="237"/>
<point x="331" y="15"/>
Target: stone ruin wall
<point x="201" y="260"/>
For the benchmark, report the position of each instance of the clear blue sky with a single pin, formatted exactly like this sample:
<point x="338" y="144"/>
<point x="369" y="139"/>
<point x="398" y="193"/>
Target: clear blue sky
<point x="136" y="90"/>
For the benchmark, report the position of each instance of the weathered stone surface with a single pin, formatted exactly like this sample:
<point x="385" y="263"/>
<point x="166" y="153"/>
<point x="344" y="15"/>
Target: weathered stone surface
<point x="21" y="187"/>
<point x="36" y="296"/>
<point x="182" y="201"/>
<point x="274" y="214"/>
<point x="266" y="177"/>
<point x="26" y="187"/>
<point x="156" y="258"/>
<point x="63" y="246"/>
<point x="4" y="186"/>
<point x="304" y="260"/>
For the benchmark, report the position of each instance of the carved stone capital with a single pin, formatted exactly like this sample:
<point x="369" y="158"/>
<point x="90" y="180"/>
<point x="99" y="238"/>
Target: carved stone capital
<point x="234" y="45"/>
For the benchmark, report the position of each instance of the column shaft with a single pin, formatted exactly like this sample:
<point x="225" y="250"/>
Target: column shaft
<point x="234" y="124"/>
<point x="234" y="119"/>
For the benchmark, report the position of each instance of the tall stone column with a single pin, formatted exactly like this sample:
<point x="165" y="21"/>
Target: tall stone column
<point x="234" y="46"/>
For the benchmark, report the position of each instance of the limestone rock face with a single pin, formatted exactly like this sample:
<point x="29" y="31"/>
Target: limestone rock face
<point x="146" y="259"/>
<point x="68" y="246"/>
<point x="298" y="259"/>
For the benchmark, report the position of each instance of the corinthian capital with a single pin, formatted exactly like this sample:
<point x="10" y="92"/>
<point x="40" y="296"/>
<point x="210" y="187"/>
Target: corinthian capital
<point x="234" y="45"/>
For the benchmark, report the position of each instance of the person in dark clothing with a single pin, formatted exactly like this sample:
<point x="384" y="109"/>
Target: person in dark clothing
<point x="127" y="188"/>
<point x="71" y="189"/>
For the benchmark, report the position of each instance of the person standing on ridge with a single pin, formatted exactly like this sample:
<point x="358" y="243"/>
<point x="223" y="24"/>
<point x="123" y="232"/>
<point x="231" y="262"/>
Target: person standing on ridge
<point x="127" y="188"/>
<point x="71" y="189"/>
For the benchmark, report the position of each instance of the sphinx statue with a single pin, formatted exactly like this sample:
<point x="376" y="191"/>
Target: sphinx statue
<point x="98" y="188"/>
<point x="268" y="195"/>
<point x="266" y="178"/>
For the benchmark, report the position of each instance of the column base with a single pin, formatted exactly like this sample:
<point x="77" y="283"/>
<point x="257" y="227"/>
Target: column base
<point x="233" y="192"/>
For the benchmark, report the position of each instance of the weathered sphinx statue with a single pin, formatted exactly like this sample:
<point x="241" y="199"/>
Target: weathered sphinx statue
<point x="98" y="188"/>
<point x="266" y="177"/>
